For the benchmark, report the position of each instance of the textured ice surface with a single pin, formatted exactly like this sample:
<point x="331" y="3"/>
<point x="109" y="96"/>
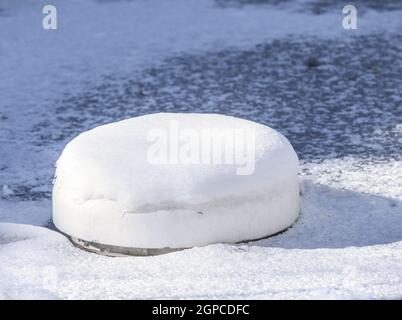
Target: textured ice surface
<point x="201" y="179"/>
<point x="343" y="116"/>
<point x="235" y="61"/>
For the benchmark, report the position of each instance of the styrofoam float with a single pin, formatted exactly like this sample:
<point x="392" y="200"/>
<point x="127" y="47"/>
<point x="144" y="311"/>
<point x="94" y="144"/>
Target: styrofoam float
<point x="161" y="182"/>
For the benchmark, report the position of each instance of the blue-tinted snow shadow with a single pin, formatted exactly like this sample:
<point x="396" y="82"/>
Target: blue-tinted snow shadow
<point x="36" y="213"/>
<point x="334" y="218"/>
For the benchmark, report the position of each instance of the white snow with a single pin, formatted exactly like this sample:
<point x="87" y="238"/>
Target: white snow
<point x="345" y="245"/>
<point x="7" y="191"/>
<point x="347" y="242"/>
<point x="222" y="179"/>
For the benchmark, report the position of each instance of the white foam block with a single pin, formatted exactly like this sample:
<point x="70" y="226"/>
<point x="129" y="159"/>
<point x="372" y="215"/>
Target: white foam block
<point x="176" y="180"/>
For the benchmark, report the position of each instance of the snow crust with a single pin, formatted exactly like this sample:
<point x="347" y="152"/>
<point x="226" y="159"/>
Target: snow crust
<point x="108" y="190"/>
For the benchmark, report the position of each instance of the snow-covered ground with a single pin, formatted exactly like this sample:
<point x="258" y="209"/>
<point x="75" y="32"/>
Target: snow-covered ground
<point x="110" y="60"/>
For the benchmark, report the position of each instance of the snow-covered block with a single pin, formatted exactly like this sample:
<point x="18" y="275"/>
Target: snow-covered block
<point x="173" y="180"/>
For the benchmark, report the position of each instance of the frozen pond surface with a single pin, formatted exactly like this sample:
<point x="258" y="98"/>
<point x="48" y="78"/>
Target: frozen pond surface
<point x="335" y="94"/>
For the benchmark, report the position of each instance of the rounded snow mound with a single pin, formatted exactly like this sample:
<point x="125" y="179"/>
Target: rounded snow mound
<point x="176" y="181"/>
